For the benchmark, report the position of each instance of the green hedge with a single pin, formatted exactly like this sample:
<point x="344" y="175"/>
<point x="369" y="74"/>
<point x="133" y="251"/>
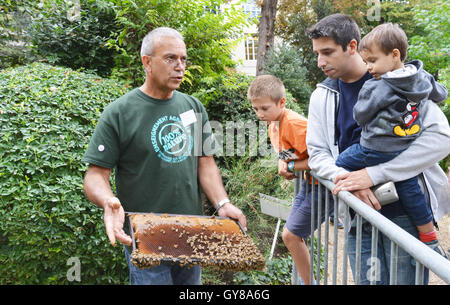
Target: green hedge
<point x="47" y="116"/>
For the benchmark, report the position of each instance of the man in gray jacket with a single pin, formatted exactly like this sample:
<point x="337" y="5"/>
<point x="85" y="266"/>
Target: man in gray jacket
<point x="332" y="128"/>
<point x="389" y="111"/>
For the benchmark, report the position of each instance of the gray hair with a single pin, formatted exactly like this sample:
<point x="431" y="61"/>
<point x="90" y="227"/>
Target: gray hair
<point x="149" y="40"/>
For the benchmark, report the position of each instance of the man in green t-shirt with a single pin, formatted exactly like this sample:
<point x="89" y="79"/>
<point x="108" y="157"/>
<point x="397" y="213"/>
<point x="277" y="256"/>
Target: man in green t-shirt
<point x="158" y="140"/>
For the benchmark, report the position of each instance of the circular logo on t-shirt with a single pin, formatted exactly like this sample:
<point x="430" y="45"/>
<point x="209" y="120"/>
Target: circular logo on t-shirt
<point x="170" y="139"/>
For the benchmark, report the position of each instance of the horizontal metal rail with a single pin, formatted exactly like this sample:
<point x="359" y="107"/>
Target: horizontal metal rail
<point x="424" y="256"/>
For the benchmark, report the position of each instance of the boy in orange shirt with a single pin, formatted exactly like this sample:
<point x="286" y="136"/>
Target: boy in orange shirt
<point x="287" y="132"/>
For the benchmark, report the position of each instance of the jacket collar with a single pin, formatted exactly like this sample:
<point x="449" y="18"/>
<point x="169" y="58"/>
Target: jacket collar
<point x="331" y="84"/>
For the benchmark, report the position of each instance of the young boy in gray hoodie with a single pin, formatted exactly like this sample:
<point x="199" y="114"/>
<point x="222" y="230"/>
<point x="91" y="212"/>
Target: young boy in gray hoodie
<point x="388" y="110"/>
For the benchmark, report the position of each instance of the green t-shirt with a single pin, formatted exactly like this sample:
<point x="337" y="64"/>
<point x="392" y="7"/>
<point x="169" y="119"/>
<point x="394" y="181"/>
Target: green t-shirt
<point x="154" y="147"/>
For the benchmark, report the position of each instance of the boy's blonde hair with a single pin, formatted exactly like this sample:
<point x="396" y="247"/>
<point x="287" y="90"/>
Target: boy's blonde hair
<point x="266" y="86"/>
<point x="387" y="37"/>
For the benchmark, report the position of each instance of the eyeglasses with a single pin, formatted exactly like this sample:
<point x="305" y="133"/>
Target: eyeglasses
<point x="173" y="60"/>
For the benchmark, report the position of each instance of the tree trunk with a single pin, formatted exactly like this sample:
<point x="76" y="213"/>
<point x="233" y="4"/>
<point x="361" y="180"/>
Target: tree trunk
<point x="265" y="33"/>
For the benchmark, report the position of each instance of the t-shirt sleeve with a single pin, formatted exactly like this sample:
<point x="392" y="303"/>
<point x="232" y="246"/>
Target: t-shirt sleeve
<point x="104" y="146"/>
<point x="296" y="136"/>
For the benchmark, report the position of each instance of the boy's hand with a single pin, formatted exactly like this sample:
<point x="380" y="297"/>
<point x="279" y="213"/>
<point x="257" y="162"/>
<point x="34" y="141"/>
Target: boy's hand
<point x="284" y="171"/>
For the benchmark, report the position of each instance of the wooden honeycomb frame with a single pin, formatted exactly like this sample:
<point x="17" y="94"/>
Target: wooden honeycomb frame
<point x="192" y="240"/>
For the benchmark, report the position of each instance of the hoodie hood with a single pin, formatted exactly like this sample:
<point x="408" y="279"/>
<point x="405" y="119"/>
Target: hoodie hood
<point x="330" y="83"/>
<point x="417" y="86"/>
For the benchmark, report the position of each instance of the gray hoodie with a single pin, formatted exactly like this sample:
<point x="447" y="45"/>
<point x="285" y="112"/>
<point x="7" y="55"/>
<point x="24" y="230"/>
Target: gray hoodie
<point x="389" y="109"/>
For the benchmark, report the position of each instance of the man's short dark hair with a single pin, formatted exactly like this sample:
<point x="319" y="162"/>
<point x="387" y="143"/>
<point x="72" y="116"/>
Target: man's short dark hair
<point x="340" y="27"/>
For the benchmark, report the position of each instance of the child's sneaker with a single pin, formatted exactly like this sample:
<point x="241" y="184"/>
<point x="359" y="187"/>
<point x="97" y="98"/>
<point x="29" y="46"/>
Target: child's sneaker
<point x="434" y="245"/>
<point x="340" y="225"/>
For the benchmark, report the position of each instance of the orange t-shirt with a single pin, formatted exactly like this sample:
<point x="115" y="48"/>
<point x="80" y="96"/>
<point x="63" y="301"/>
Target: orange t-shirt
<point x="288" y="137"/>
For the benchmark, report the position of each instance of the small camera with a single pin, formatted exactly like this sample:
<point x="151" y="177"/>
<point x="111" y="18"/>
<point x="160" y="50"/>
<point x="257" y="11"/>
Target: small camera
<point x="385" y="193"/>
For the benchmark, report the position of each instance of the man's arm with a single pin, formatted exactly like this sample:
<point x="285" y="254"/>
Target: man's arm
<point x="211" y="183"/>
<point x="321" y="159"/>
<point x="98" y="191"/>
<point x="430" y="147"/>
<point x="320" y="129"/>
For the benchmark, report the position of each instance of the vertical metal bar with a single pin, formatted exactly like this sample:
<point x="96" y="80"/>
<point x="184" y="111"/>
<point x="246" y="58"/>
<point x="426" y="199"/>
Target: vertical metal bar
<point x="297" y="188"/>
<point x="296" y="185"/>
<point x="275" y="237"/>
<point x="345" y="256"/>
<point x="311" y="250"/>
<point x="319" y="232"/>
<point x="374" y="257"/>
<point x="132" y="233"/>
<point x="300" y="178"/>
<point x="419" y="273"/>
<point x="327" y="216"/>
<point x="393" y="266"/>
<point x="358" y="249"/>
<point x="294" y="275"/>
<point x="307" y="178"/>
<point x="335" y="241"/>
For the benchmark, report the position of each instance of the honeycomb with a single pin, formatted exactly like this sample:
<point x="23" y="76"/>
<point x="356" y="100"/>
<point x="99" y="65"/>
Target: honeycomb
<point x="192" y="240"/>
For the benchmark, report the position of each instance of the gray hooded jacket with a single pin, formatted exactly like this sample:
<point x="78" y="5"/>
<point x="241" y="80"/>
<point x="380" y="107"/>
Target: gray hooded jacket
<point x="389" y="109"/>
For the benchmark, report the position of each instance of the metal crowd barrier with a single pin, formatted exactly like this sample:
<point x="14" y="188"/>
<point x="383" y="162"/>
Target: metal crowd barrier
<point x="424" y="256"/>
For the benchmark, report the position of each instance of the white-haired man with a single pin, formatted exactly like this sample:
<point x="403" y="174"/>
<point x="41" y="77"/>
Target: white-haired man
<point x="151" y="137"/>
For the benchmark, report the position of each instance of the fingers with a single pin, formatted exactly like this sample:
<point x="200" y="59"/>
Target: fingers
<point x="341" y="177"/>
<point x="338" y="181"/>
<point x="289" y="176"/>
<point x="108" y="218"/>
<point x="109" y="226"/>
<point x="122" y="237"/>
<point x="352" y="181"/>
<point x="230" y="210"/>
<point x="284" y="172"/>
<point x="344" y="185"/>
<point x="368" y="198"/>
<point x="243" y="221"/>
<point x="114" y="217"/>
<point x="375" y="203"/>
<point x="365" y="195"/>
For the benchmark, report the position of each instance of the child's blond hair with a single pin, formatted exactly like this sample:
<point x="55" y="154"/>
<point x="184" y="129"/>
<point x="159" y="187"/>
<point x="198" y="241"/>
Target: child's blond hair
<point x="266" y="86"/>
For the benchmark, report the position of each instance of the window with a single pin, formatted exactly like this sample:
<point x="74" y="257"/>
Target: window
<point x="252" y="9"/>
<point x="213" y="9"/>
<point x="251" y="47"/>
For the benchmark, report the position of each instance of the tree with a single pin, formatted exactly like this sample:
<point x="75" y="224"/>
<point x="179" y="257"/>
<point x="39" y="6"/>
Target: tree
<point x="294" y="18"/>
<point x="369" y="14"/>
<point x="286" y="63"/>
<point x="209" y="36"/>
<point x="74" y="34"/>
<point x="266" y="34"/>
<point x="432" y="45"/>
<point x="14" y="39"/>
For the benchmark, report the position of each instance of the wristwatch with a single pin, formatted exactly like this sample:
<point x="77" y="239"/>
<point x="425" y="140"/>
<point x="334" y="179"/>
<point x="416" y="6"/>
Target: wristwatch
<point x="291" y="166"/>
